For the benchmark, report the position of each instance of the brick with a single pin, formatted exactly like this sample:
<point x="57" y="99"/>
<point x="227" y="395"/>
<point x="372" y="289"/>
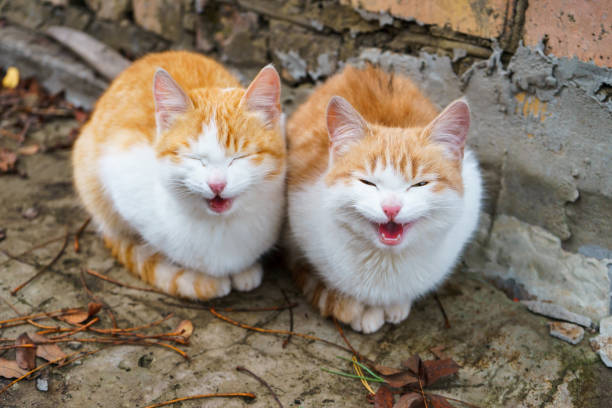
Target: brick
<point x="574" y="28"/>
<point x="483" y="18"/>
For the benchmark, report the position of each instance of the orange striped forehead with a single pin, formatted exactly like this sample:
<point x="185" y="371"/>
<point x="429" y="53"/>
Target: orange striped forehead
<point x="237" y="130"/>
<point x="407" y="152"/>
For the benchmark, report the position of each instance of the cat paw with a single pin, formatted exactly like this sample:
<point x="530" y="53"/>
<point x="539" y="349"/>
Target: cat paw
<point x="248" y="279"/>
<point x="397" y="313"/>
<point x="370" y="321"/>
<point x="224" y="286"/>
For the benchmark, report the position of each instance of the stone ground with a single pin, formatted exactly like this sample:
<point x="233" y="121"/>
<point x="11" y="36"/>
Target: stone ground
<point x="507" y="356"/>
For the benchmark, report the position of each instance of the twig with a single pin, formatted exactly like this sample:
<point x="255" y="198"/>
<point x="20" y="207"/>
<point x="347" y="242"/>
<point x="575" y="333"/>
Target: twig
<point x="79" y="233"/>
<point x="192" y="397"/>
<point x="339" y="328"/>
<point x="44" y="268"/>
<point x="97" y="299"/>
<point x="231" y="309"/>
<point x="446" y="321"/>
<point x="35" y="247"/>
<point x="288" y="339"/>
<point x="124" y="285"/>
<point x="130" y="329"/>
<point x="79" y="329"/>
<point x="112" y="341"/>
<point x="262" y="381"/>
<point x="36" y="316"/>
<point x="422" y="392"/>
<point x="274" y="331"/>
<point x="34" y="370"/>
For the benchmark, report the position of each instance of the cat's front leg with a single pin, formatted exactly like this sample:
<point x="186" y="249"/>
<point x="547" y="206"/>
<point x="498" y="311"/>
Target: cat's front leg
<point x="397" y="313"/>
<point x="248" y="279"/>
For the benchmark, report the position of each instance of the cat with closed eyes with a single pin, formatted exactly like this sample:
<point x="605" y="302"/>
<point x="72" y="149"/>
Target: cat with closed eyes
<point x="183" y="172"/>
<point x="382" y="193"/>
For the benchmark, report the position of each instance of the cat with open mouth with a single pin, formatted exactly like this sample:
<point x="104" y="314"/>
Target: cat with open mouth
<point x="383" y="195"/>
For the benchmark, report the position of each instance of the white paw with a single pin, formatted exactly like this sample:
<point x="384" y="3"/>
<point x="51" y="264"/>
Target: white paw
<point x="224" y="286"/>
<point x="248" y="279"/>
<point x="370" y="321"/>
<point x="397" y="313"/>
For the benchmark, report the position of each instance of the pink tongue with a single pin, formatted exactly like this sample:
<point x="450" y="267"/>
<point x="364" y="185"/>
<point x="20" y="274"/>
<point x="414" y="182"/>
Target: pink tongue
<point x="219" y="204"/>
<point x="390" y="230"/>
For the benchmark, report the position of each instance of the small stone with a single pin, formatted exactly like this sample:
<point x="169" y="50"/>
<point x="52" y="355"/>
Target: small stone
<point x="556" y="312"/>
<point x="75" y="345"/>
<point x="124" y="365"/>
<point x="29" y="213"/>
<point x="569" y="332"/>
<point x="2" y="234"/>
<point x="145" y="361"/>
<point x="605" y="354"/>
<point x="599" y="342"/>
<point x="42" y="383"/>
<point x="605" y="326"/>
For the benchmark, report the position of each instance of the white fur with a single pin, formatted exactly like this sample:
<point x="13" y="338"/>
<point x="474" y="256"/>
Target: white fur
<point x="332" y="226"/>
<point x="165" y="203"/>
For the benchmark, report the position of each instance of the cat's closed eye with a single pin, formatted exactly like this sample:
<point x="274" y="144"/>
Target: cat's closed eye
<point x="420" y="184"/>
<point x="366" y="182"/>
<point x="243" y="156"/>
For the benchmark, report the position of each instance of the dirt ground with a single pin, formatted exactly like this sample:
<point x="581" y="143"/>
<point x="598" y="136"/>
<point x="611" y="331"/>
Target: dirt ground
<point x="507" y="357"/>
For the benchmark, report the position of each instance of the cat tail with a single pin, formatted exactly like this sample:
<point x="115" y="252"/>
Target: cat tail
<point x="156" y="270"/>
<point x="329" y="302"/>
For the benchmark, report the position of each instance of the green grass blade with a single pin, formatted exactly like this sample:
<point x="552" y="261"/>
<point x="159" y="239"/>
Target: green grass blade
<point x="366" y="368"/>
<point x="342" y="373"/>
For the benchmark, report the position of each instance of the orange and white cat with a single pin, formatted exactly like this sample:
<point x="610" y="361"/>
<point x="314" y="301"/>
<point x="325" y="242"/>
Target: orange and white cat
<point x="183" y="172"/>
<point x="383" y="195"/>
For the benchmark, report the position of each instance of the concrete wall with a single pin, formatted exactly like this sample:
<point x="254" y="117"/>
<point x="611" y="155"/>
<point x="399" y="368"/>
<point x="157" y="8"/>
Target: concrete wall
<point x="537" y="75"/>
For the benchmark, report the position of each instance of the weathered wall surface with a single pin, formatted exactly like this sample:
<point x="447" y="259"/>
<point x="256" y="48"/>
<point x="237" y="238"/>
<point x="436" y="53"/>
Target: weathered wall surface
<point x="537" y="76"/>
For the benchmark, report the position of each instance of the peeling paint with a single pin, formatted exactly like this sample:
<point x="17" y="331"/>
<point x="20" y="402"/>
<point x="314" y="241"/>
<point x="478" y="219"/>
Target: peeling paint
<point x="530" y="105"/>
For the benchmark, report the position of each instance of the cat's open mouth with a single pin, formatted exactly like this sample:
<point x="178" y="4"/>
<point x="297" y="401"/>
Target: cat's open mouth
<point x="392" y="233"/>
<point x="219" y="204"/>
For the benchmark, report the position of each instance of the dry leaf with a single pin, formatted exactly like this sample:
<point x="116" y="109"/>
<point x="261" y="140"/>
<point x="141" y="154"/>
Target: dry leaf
<point x="49" y="352"/>
<point x="74" y="316"/>
<point x="25" y="356"/>
<point x="383" y="398"/>
<point x="28" y="150"/>
<point x="401" y="379"/>
<point x="413" y="364"/>
<point x="185" y="329"/>
<point x="7" y="161"/>
<point x="387" y="370"/>
<point x="93" y="308"/>
<point x="439" y="401"/>
<point x="10" y="369"/>
<point x="438" y="351"/>
<point x="410" y="400"/>
<point x="436" y="369"/>
<point x="80" y="115"/>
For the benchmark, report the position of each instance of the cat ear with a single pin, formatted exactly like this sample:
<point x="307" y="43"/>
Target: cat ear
<point x="344" y="125"/>
<point x="451" y="127"/>
<point x="170" y="100"/>
<point x="263" y="96"/>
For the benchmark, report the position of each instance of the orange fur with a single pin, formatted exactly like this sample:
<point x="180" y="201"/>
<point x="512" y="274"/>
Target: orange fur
<point x="125" y="116"/>
<point x="397" y="115"/>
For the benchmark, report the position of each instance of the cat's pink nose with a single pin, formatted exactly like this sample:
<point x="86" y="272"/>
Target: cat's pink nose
<point x="391" y="210"/>
<point x="217" y="186"/>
